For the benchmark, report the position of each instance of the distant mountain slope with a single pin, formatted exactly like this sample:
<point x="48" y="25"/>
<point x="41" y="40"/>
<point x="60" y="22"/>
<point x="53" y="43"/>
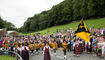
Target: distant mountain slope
<point x="96" y="23"/>
<point x="63" y="13"/>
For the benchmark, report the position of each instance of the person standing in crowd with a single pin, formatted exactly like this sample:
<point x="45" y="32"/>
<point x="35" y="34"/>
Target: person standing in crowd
<point x="19" y="50"/>
<point x="0" y="42"/>
<point x="37" y="47"/>
<point x="59" y="43"/>
<point x="47" y="52"/>
<point x="11" y="48"/>
<point x="7" y="46"/>
<point x="31" y="47"/>
<point x="55" y="47"/>
<point x="76" y="47"/>
<point x="6" y="40"/>
<point x="25" y="52"/>
<point x="69" y="45"/>
<point x="80" y="46"/>
<point x="87" y="47"/>
<point x="16" y="45"/>
<point x="71" y="41"/>
<point x="94" y="45"/>
<point x="51" y="44"/>
<point x="99" y="46"/>
<point x="84" y="43"/>
<point x="90" y="49"/>
<point x="64" y="48"/>
<point x="1" y="48"/>
<point x="103" y="48"/>
<point x="41" y="45"/>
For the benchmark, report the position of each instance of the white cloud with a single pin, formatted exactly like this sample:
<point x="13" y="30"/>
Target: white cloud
<point x="17" y="11"/>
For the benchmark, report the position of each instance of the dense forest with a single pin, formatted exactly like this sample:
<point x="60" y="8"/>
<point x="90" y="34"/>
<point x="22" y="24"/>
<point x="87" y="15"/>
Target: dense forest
<point x="63" y="13"/>
<point x="7" y="25"/>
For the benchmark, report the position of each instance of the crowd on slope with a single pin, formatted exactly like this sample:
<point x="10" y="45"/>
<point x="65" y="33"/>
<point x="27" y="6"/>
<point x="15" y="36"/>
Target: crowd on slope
<point x="68" y="41"/>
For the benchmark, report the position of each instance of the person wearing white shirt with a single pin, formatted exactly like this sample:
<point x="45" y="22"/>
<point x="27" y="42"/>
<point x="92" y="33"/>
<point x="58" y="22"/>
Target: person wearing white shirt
<point x="25" y="52"/>
<point x="103" y="48"/>
<point x="19" y="50"/>
<point x="102" y="31"/>
<point x="1" y="48"/>
<point x="47" y="52"/>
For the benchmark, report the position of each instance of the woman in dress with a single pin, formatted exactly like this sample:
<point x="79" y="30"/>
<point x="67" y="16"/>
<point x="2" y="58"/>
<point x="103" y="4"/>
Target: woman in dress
<point x="25" y="52"/>
<point x="47" y="52"/>
<point x="80" y="46"/>
<point x="76" y="47"/>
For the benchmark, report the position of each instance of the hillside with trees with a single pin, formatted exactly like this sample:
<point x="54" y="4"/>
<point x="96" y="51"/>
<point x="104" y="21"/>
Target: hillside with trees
<point x="7" y="25"/>
<point x="63" y="13"/>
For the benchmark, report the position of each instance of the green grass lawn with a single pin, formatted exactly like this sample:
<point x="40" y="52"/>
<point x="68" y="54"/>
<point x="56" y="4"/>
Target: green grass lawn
<point x="97" y="23"/>
<point x="5" y="57"/>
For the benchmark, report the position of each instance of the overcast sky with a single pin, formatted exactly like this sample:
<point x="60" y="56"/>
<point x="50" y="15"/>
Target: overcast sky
<point x="17" y="11"/>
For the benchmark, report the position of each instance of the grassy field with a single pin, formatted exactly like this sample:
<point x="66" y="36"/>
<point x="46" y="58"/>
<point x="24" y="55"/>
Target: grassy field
<point x="5" y="57"/>
<point x="97" y="23"/>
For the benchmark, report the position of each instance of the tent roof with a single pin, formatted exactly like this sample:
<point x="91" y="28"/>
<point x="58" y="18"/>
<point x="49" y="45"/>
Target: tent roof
<point x="1" y="29"/>
<point x="10" y="32"/>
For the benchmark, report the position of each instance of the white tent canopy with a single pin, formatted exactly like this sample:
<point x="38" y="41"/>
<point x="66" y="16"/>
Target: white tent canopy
<point x="13" y="33"/>
<point x="10" y="32"/>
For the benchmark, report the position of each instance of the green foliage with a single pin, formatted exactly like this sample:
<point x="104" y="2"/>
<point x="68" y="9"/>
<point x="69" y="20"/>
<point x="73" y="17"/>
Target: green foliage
<point x="63" y="13"/>
<point x="84" y="9"/>
<point x="1" y="23"/>
<point x="76" y="9"/>
<point x="7" y="25"/>
<point x="97" y="23"/>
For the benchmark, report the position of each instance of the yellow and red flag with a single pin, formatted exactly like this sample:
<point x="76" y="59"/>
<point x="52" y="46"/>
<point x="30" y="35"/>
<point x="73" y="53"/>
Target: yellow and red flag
<point x="82" y="31"/>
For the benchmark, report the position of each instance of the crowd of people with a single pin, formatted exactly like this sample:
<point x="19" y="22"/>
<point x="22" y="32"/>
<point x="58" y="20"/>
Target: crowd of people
<point x="68" y="41"/>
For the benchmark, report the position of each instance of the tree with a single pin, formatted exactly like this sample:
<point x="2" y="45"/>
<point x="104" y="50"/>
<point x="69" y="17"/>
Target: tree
<point x="7" y="25"/>
<point x="63" y="13"/>
<point x="1" y="23"/>
<point x="84" y="9"/>
<point x="76" y="9"/>
<point x="91" y="8"/>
